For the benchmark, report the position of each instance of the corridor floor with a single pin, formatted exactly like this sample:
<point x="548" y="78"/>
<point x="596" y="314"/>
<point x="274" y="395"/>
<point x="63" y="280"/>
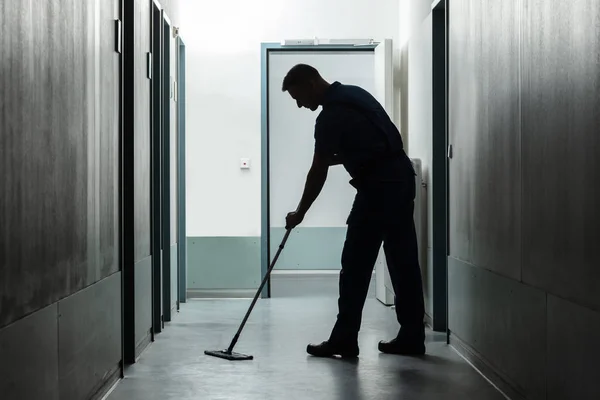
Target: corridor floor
<point x="175" y="367"/>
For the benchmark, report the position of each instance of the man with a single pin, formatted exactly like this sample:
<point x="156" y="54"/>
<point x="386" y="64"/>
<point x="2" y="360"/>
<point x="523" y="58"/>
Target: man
<point x="353" y="129"/>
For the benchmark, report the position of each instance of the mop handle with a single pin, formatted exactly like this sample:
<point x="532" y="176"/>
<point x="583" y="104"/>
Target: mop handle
<point x="264" y="281"/>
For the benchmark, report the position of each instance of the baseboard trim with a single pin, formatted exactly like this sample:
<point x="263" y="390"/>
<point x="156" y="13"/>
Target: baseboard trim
<point x="142" y="345"/>
<point x="483" y="367"/>
<point x="429" y="321"/>
<point x="221" y="293"/>
<point x="106" y="387"/>
<point x="111" y="389"/>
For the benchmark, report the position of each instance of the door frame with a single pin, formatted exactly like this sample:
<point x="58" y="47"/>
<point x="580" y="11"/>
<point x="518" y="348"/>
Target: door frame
<point x="155" y="166"/>
<point x="440" y="166"/>
<point x="126" y="185"/>
<point x="181" y="193"/>
<point x="166" y="167"/>
<point x="266" y="50"/>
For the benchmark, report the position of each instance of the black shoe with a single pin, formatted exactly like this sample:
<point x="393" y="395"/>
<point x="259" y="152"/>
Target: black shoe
<point x="403" y="347"/>
<point x="328" y="349"/>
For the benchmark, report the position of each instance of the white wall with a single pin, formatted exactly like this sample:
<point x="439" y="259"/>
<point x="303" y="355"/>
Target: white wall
<point x="223" y="93"/>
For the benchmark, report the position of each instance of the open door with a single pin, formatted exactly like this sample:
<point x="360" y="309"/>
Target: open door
<point x="384" y="89"/>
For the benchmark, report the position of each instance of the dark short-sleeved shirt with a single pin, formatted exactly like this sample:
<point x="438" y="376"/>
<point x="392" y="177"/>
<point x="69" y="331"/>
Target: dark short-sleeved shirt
<point x="356" y="128"/>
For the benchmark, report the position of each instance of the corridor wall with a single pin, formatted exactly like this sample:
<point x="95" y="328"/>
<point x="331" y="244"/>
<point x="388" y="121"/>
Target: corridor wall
<point x="60" y="282"/>
<point x="524" y="116"/>
<point x="60" y="265"/>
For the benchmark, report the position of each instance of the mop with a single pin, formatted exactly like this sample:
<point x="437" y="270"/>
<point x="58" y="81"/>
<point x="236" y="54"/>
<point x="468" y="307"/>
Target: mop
<point x="229" y="354"/>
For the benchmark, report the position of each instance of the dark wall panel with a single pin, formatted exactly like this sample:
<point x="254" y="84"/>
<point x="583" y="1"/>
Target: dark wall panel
<point x="561" y="148"/>
<point x="29" y="357"/>
<point x="57" y="151"/>
<point x="89" y="332"/>
<point x="573" y="371"/>
<point x="497" y="214"/>
<point x="143" y="299"/>
<point x="463" y="121"/>
<point x="502" y="320"/>
<point x="108" y="137"/>
<point x="142" y="130"/>
<point x="524" y="122"/>
<point x="485" y="169"/>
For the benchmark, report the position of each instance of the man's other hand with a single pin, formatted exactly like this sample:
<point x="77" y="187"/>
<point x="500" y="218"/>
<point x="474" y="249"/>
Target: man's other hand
<point x="293" y="219"/>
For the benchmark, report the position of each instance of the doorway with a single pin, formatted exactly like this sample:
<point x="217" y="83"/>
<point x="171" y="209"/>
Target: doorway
<point x="310" y="264"/>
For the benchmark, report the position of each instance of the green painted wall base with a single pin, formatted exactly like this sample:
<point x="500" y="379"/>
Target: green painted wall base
<point x="223" y="262"/>
<point x="309" y="248"/>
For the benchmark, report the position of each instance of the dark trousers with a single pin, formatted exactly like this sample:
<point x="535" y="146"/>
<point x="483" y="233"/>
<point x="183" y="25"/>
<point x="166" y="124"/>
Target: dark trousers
<point x="380" y="216"/>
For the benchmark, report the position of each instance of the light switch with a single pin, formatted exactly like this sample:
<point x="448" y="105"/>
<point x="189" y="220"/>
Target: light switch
<point x="245" y="163"/>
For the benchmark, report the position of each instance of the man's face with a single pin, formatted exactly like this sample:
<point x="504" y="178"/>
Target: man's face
<point x="305" y="96"/>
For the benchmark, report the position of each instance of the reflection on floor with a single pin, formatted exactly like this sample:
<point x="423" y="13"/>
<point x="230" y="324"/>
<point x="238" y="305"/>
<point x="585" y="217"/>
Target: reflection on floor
<point x="175" y="367"/>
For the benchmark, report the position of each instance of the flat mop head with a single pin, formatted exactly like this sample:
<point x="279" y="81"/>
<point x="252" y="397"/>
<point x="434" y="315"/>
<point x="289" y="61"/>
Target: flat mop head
<point x="231" y="356"/>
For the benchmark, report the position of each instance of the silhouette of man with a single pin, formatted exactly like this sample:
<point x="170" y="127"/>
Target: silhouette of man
<point x="354" y="130"/>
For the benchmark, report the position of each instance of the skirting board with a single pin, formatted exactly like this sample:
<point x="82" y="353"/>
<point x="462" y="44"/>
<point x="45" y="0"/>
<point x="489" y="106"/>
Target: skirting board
<point x="221" y="293"/>
<point x="428" y="320"/>
<point x="111" y="390"/>
<point x="142" y="345"/>
<point x="108" y="385"/>
<point x="484" y="368"/>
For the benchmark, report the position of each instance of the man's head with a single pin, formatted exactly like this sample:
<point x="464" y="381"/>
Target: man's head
<point x="305" y="85"/>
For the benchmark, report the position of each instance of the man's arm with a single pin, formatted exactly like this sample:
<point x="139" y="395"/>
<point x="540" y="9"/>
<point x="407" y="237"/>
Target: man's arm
<point x="317" y="175"/>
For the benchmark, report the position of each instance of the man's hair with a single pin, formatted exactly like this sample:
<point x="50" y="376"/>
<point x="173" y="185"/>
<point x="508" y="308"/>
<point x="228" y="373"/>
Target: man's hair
<point x="298" y="75"/>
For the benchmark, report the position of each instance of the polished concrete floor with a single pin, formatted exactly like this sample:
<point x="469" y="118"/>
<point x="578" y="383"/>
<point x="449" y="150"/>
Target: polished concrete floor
<point x="175" y="367"/>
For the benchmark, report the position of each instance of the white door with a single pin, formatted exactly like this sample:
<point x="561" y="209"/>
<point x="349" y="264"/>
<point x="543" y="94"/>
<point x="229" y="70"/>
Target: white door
<point x="317" y="243"/>
<point x="384" y="89"/>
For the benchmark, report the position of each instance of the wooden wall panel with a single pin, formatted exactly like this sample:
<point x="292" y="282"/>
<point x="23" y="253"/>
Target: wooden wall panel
<point x="464" y="101"/>
<point x="89" y="339"/>
<point x="34" y="339"/>
<point x="561" y="148"/>
<point x="501" y="319"/>
<point x="108" y="137"/>
<point x="573" y="371"/>
<point x="59" y="105"/>
<point x="485" y="169"/>
<point x="46" y="117"/>
<point x="524" y="121"/>
<point x="142" y="130"/>
<point x="497" y="213"/>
